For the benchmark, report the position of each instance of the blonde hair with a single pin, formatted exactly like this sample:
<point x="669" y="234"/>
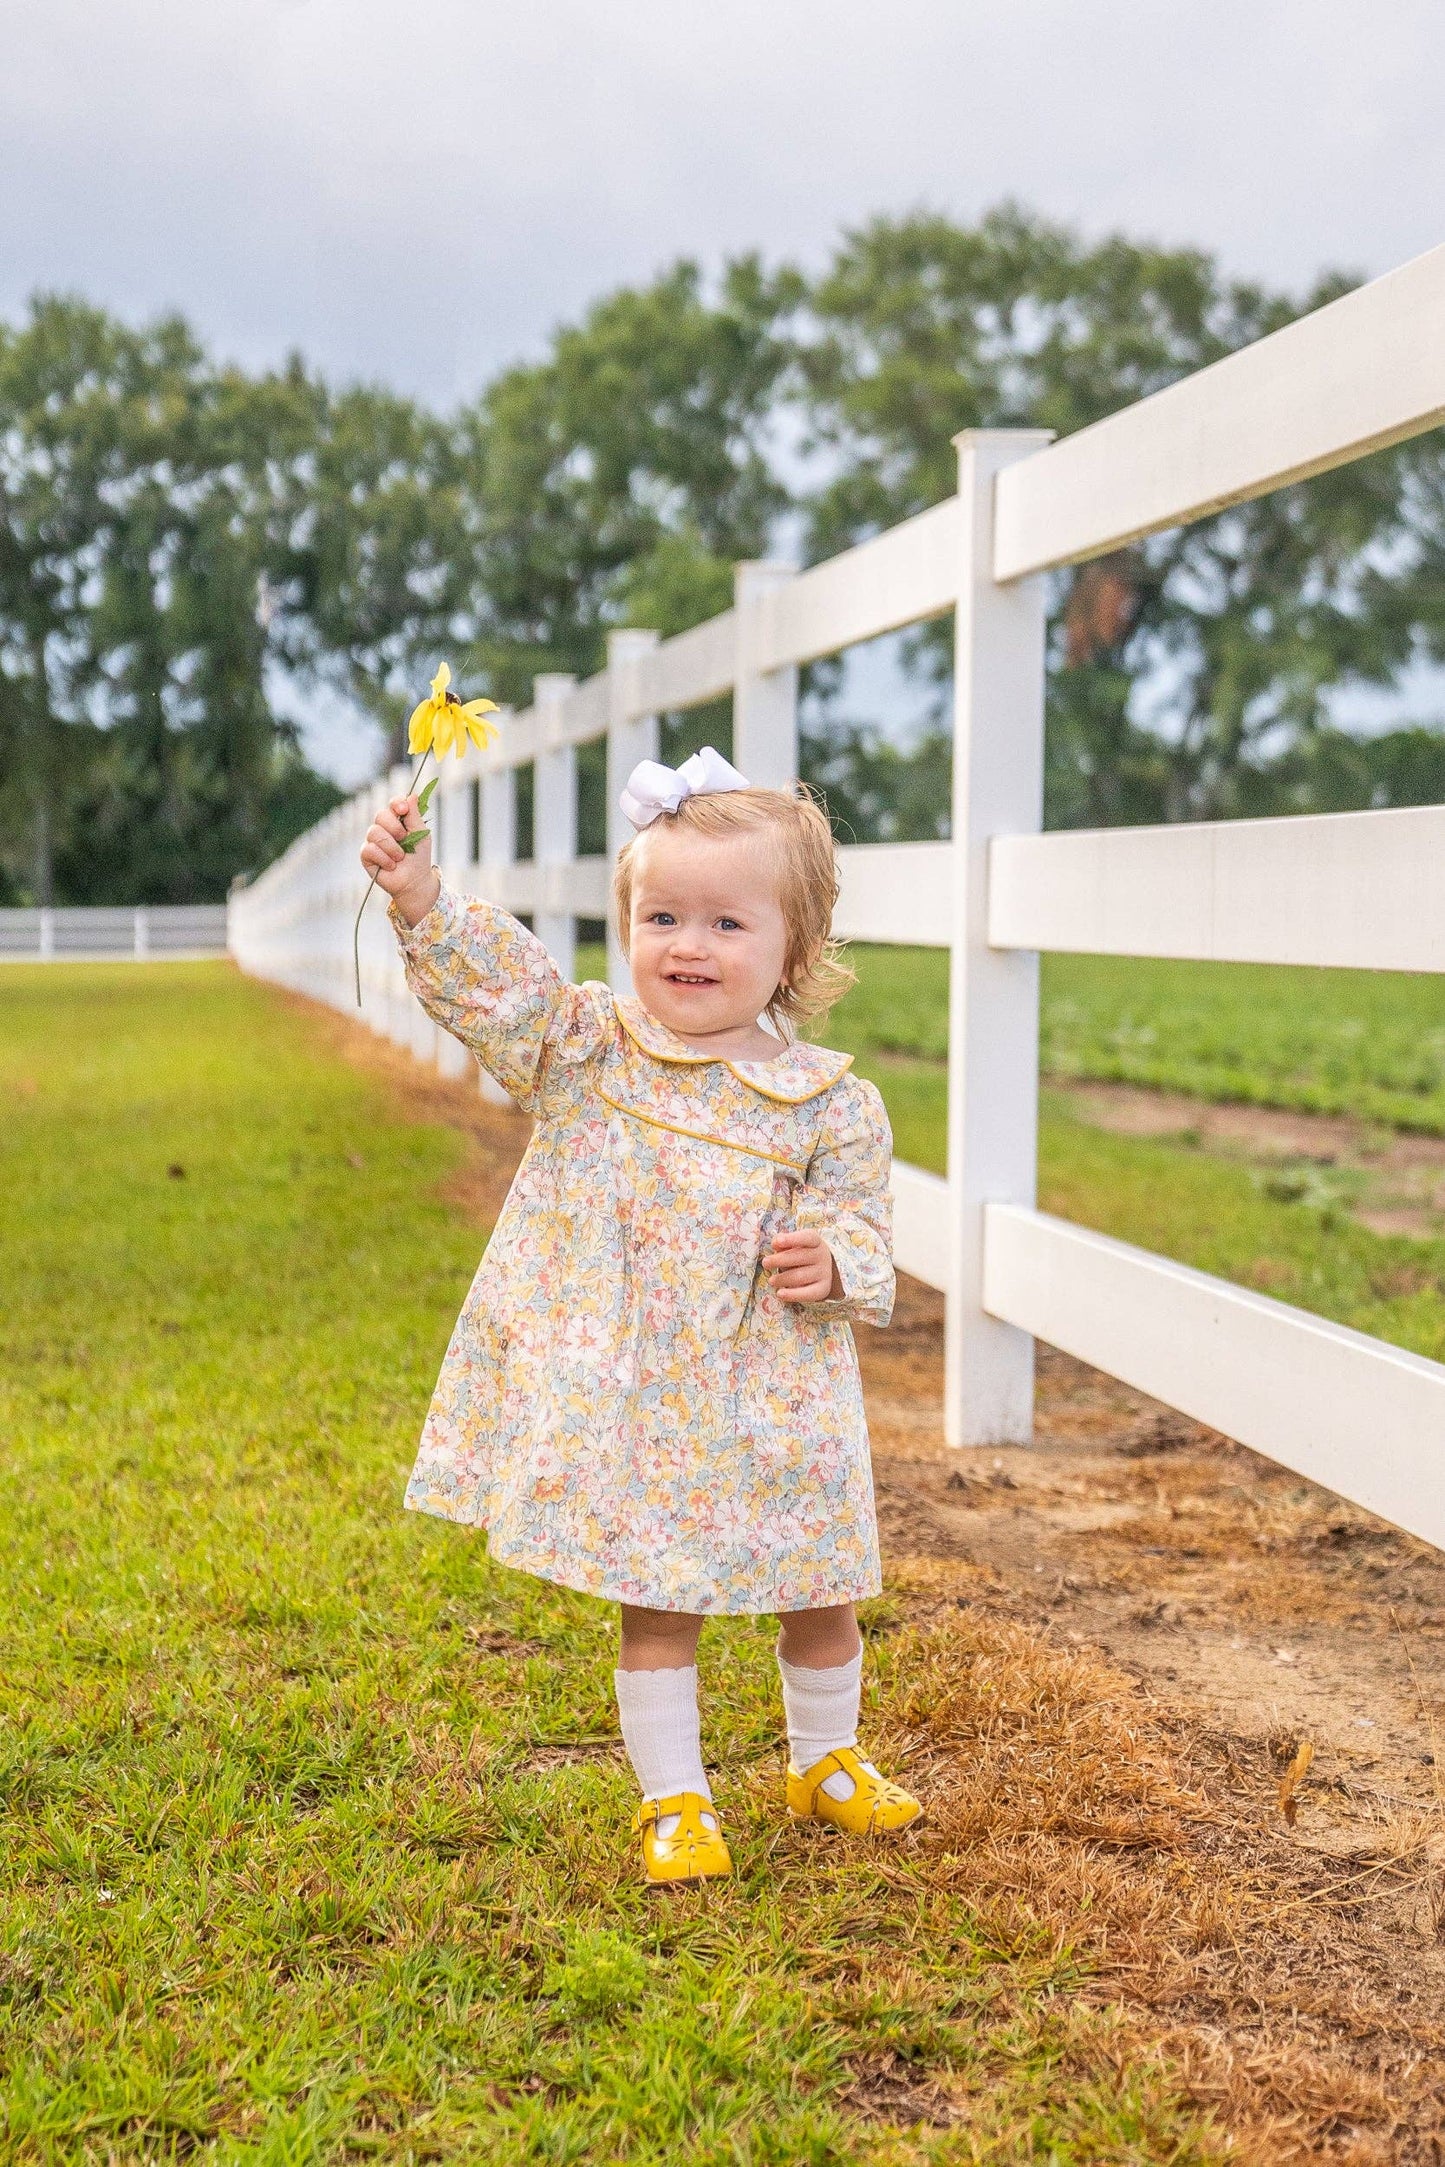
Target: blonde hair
<point x="814" y="975"/>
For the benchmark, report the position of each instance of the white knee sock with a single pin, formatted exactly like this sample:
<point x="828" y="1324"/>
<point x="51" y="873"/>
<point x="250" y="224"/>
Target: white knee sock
<point x="660" y="1730"/>
<point x="822" y="1711"/>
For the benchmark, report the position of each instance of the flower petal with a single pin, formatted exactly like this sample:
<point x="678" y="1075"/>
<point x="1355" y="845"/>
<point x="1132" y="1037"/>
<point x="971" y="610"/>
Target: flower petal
<point x="420" y="729"/>
<point x="440" y="682"/>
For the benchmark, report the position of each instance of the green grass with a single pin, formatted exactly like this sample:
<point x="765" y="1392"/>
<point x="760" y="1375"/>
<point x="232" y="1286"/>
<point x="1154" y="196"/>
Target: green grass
<point x="1368" y="1043"/>
<point x="285" y="1877"/>
<point x="1221" y="1032"/>
<point x="1215" y="1214"/>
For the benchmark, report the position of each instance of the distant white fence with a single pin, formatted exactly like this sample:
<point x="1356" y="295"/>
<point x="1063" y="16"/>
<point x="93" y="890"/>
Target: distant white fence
<point x="1363" y="889"/>
<point x="83" y="934"/>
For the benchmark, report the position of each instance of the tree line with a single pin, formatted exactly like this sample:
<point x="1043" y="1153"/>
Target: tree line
<point x="179" y="536"/>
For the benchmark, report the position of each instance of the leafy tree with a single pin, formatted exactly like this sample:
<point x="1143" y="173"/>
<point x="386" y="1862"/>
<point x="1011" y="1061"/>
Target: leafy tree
<point x="1332" y="771"/>
<point x="618" y="481"/>
<point x="142" y="759"/>
<point x="61" y="378"/>
<point x="373" y="550"/>
<point x="1179" y="668"/>
<point x="878" y="791"/>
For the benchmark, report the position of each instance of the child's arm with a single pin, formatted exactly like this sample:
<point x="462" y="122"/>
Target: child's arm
<point x="839" y="1257"/>
<point x="476" y="970"/>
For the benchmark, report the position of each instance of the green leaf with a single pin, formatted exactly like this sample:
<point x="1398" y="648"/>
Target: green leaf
<point x="417" y="835"/>
<point x="425" y="799"/>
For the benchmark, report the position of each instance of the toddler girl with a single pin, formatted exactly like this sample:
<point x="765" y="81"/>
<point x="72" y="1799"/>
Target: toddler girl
<point x="652" y="1392"/>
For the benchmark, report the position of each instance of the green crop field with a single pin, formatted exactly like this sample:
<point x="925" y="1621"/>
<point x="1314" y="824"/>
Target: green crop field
<point x="312" y="1844"/>
<point x="1366" y="1043"/>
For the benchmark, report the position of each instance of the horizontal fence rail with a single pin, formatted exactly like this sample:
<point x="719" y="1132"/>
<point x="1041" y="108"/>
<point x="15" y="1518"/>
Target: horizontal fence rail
<point x="1360" y="889"/>
<point x="898" y="892"/>
<point x="97" y="934"/>
<point x="1363" y="373"/>
<point x="1350" y="1412"/>
<point x="897" y="579"/>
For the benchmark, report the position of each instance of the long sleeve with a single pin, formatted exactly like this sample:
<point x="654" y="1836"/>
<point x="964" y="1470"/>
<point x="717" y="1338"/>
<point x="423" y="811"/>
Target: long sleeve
<point x="482" y="976"/>
<point x="846" y="1198"/>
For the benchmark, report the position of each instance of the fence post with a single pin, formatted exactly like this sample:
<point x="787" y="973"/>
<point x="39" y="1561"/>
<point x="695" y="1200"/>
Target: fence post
<point x="390" y="1010"/>
<point x="998" y="765"/>
<point x="498" y="851"/>
<point x="461" y="786"/>
<point x="499" y="825"/>
<point x="47" y="935"/>
<point x="142" y="933"/>
<point x="554" y="818"/>
<point x="410" y="1026"/>
<point x="447" y="817"/>
<point x="765" y="702"/>
<point x="630" y="738"/>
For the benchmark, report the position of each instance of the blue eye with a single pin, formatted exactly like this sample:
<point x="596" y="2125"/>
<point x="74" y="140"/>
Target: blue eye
<point x="663" y="917"/>
<point x="729" y="925"/>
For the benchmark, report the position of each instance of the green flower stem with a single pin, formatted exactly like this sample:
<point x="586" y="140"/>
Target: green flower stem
<point x="356" y="929"/>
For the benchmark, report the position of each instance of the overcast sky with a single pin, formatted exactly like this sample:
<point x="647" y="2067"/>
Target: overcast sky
<point x="419" y="190"/>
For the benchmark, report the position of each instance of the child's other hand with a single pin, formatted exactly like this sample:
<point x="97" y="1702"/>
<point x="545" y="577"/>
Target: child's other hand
<point x="801" y="1268"/>
<point x="407" y="876"/>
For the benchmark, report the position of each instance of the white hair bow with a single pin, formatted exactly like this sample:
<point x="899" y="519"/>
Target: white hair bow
<point x="653" y="788"/>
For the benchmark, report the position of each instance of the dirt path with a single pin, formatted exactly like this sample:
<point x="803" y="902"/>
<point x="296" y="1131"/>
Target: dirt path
<point x="1390" y="1181"/>
<point x="1271" y="1606"/>
<point x="1268" y="1608"/>
<point x="1252" y="1622"/>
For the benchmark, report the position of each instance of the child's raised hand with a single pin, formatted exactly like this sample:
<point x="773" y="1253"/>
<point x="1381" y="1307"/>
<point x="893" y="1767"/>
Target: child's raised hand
<point x="407" y="876"/>
<point x="800" y="1265"/>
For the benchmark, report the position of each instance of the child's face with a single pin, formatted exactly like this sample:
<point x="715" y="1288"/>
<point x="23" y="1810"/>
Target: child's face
<point x="708" y="934"/>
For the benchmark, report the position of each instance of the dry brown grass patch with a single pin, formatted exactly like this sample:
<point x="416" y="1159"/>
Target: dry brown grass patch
<point x="1073" y="1812"/>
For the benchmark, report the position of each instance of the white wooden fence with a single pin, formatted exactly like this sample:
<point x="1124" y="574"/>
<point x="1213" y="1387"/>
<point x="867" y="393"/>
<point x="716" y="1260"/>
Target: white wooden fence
<point x="1362" y="889"/>
<point x="85" y="933"/>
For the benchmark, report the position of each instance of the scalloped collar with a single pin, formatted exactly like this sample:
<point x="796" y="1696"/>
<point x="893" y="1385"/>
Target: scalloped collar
<point x="799" y="1072"/>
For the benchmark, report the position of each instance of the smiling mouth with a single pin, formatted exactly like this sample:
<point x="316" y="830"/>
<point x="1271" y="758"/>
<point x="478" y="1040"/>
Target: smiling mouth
<point x="688" y="978"/>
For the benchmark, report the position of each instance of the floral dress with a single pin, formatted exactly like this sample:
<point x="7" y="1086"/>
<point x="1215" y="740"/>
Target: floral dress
<point x="626" y="1406"/>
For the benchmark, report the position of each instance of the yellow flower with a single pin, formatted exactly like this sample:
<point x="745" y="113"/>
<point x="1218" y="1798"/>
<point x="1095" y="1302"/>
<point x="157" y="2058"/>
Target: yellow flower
<point x="444" y="724"/>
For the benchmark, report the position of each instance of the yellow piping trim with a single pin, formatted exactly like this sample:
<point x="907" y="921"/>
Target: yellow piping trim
<point x="702" y="1060"/>
<point x="701" y="1136"/>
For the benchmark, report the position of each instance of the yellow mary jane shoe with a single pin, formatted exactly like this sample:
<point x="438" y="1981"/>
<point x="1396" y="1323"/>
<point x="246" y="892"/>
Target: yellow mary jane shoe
<point x="693" y="1852"/>
<point x="874" y="1807"/>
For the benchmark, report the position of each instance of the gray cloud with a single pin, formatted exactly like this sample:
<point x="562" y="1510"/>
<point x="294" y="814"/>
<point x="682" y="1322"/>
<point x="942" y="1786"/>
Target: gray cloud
<point x="419" y="191"/>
